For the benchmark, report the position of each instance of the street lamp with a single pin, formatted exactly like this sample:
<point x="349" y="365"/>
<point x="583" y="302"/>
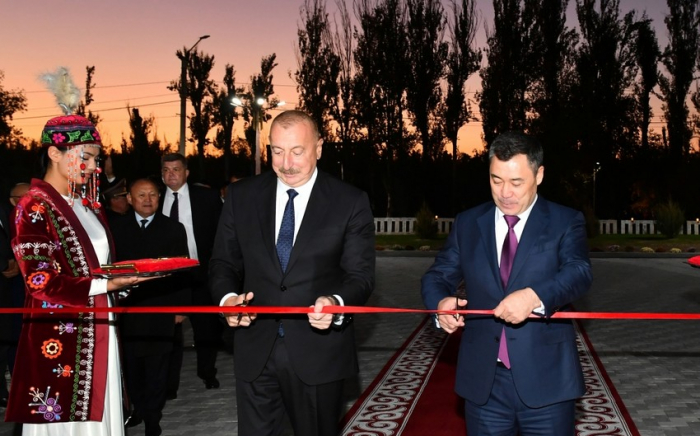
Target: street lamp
<point x="256" y="108"/>
<point x="595" y="171"/>
<point x="183" y="92"/>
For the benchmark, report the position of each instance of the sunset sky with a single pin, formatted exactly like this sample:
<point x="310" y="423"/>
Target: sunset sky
<point x="132" y="44"/>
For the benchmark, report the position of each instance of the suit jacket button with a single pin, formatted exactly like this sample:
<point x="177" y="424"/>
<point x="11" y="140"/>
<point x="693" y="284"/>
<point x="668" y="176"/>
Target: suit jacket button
<point x="497" y="338"/>
<point x="283" y="288"/>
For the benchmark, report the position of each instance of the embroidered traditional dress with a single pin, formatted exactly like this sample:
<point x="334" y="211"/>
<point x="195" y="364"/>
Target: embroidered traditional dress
<point x="68" y="374"/>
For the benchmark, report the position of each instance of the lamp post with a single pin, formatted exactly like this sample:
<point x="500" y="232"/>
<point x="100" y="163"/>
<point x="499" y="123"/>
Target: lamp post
<point x="183" y="92"/>
<point x="256" y="108"/>
<point x="595" y="171"/>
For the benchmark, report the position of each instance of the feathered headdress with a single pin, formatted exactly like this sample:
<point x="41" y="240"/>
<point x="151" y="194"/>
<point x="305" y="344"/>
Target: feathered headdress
<point x="63" y="88"/>
<point x="71" y="130"/>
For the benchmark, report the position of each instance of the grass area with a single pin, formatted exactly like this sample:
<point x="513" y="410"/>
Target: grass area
<point x="631" y="243"/>
<point x="625" y="243"/>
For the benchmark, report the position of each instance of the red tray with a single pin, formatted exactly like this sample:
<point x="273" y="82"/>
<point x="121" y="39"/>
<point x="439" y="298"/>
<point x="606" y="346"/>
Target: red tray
<point x="145" y="267"/>
<point x="694" y="261"/>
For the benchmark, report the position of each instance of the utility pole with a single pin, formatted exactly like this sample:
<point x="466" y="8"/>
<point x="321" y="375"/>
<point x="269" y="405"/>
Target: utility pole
<point x="185" y="60"/>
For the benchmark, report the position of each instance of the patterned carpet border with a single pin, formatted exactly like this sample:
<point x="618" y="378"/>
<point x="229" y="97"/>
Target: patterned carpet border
<point x="386" y="405"/>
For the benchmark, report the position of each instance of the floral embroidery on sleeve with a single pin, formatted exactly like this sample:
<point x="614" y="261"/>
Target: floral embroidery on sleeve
<point x="37" y="210"/>
<point x="38" y="280"/>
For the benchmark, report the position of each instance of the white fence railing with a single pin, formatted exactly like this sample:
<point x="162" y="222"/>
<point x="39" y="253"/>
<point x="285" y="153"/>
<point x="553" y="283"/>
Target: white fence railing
<point x="406" y="226"/>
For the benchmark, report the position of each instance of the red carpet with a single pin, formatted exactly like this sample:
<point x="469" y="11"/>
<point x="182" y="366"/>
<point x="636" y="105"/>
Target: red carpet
<point x="420" y="377"/>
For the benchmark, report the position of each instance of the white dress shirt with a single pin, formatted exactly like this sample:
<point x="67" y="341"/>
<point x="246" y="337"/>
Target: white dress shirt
<point x="184" y="214"/>
<point x="502" y="231"/>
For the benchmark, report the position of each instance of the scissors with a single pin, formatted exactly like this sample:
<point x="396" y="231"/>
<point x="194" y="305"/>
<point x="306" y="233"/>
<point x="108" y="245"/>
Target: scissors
<point x="459" y="295"/>
<point x="240" y="314"/>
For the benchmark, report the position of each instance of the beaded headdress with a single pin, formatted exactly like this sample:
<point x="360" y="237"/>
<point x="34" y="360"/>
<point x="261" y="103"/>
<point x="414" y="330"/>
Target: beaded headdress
<point x="73" y="133"/>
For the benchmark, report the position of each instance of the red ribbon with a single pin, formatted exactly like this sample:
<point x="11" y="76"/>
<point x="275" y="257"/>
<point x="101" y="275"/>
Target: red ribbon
<point x="341" y="309"/>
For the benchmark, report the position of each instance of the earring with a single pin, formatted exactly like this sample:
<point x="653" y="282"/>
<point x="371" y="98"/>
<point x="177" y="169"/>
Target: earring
<point x="83" y="186"/>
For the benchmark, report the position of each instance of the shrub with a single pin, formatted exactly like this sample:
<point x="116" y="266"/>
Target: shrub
<point x="669" y="218"/>
<point x="426" y="227"/>
<point x="592" y="223"/>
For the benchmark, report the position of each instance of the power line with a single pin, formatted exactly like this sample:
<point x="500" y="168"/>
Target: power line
<point x="95" y="103"/>
<point x="105" y="86"/>
<point x="108" y="110"/>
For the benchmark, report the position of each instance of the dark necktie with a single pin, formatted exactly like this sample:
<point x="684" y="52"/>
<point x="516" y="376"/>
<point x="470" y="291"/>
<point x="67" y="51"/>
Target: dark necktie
<point x="285" y="239"/>
<point x="143" y="224"/>
<point x="174" y="208"/>
<point x="510" y="246"/>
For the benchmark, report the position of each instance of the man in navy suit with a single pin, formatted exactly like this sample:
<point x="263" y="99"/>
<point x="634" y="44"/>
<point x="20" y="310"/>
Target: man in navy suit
<point x="324" y="256"/>
<point x="517" y="374"/>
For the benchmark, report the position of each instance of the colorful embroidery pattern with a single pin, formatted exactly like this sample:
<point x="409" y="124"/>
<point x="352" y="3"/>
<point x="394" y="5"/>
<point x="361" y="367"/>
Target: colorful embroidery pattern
<point x="48" y="256"/>
<point x="52" y="348"/>
<point x="63" y="371"/>
<point x="64" y="328"/>
<point x="36" y="249"/>
<point x="37" y="210"/>
<point x="38" y="280"/>
<point x="49" y="407"/>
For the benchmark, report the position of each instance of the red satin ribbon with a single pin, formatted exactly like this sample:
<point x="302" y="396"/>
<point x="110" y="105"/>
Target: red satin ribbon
<point x="345" y="309"/>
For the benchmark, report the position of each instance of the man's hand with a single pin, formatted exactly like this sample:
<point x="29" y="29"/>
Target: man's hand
<point x="116" y="283"/>
<point x="318" y="320"/>
<point x="450" y="323"/>
<point x="179" y="319"/>
<point x="12" y="269"/>
<point x="239" y="319"/>
<point x="516" y="307"/>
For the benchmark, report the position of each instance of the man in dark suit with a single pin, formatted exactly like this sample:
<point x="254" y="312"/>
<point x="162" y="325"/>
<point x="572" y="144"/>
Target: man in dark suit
<point x="519" y="256"/>
<point x="148" y="338"/>
<point x="198" y="209"/>
<point x="323" y="256"/>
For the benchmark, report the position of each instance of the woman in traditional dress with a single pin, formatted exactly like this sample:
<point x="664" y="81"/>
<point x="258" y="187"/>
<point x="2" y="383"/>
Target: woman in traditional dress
<point x="68" y="379"/>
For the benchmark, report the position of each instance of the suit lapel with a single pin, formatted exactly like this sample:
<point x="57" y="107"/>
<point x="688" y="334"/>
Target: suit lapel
<point x="487" y="227"/>
<point x="536" y="226"/>
<point x="314" y="216"/>
<point x="266" y="216"/>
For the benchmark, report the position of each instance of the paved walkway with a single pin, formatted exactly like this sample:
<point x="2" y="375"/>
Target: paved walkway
<point x="655" y="365"/>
